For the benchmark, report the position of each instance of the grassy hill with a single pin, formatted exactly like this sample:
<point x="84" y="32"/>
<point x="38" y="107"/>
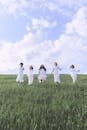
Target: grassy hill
<point x="43" y="106"/>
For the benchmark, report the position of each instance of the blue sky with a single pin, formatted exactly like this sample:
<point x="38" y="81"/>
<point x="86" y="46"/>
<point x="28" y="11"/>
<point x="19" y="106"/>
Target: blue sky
<point x="42" y="32"/>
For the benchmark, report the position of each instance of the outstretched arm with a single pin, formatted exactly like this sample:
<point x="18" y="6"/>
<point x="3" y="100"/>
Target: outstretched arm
<point x="52" y="71"/>
<point x="59" y="68"/>
<point x="78" y="70"/>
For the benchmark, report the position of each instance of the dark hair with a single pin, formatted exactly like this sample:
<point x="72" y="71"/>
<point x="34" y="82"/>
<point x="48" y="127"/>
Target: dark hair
<point x="55" y="63"/>
<point x="21" y="63"/>
<point x="72" y="66"/>
<point x="31" y="67"/>
<point x="42" y="67"/>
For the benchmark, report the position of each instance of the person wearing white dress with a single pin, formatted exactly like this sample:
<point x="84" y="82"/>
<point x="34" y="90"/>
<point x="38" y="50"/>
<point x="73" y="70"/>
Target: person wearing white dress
<point x="55" y="72"/>
<point x="30" y="75"/>
<point x="73" y="73"/>
<point x="42" y="74"/>
<point x="20" y="75"/>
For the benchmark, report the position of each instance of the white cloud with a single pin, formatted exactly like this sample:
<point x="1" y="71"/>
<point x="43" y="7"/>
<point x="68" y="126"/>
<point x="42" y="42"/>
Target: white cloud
<point x="70" y="48"/>
<point x="28" y="28"/>
<point x="64" y="7"/>
<point x="13" y="53"/>
<point x="68" y="3"/>
<point x="15" y="7"/>
<point x="42" y="23"/>
<point x="79" y="24"/>
<point x="12" y="7"/>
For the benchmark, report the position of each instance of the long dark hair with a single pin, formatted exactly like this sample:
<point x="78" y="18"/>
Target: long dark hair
<point x="21" y="64"/>
<point x="72" y="66"/>
<point x="31" y="67"/>
<point x="42" y="67"/>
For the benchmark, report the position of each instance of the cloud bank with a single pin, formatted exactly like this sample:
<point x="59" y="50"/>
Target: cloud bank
<point x="69" y="48"/>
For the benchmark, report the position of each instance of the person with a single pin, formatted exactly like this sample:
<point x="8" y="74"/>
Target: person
<point x="20" y="75"/>
<point x="56" y="74"/>
<point x="42" y="74"/>
<point x="30" y="75"/>
<point x="73" y="73"/>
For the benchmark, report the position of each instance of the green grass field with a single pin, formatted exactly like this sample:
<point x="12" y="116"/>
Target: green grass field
<point x="43" y="106"/>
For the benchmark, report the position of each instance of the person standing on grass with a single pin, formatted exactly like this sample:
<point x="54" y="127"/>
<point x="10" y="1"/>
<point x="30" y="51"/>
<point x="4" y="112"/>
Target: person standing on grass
<point x="55" y="71"/>
<point x="42" y="74"/>
<point x="20" y="75"/>
<point x="30" y="75"/>
<point x="73" y="73"/>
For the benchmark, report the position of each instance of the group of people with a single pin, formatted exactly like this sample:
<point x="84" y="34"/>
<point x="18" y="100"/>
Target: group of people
<point x="42" y="74"/>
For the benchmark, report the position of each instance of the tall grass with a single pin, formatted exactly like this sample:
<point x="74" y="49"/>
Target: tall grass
<point x="43" y="106"/>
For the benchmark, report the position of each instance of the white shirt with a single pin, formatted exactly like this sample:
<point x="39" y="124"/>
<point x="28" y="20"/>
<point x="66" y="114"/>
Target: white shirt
<point x="30" y="73"/>
<point x="56" y="70"/>
<point x="42" y="72"/>
<point x="21" y="69"/>
<point x="73" y="71"/>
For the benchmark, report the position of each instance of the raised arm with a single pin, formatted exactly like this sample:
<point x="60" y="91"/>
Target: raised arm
<point x="59" y="68"/>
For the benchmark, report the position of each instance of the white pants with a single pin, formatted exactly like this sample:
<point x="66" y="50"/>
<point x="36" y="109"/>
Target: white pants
<point x="74" y="78"/>
<point x="20" y="78"/>
<point x="56" y="78"/>
<point x="30" y="79"/>
<point x="43" y="78"/>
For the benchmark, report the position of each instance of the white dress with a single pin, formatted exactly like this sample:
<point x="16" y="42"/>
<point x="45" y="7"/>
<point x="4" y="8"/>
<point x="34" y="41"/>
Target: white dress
<point x="20" y="75"/>
<point x="42" y="75"/>
<point x="30" y="77"/>
<point x="56" y="74"/>
<point x="74" y="75"/>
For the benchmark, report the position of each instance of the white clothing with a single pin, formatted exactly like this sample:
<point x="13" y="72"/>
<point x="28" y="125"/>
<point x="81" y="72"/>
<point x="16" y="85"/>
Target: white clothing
<point x="56" y="74"/>
<point x="57" y="78"/>
<point x="20" y="75"/>
<point x="42" y="75"/>
<point x="30" y="77"/>
<point x="74" y="74"/>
